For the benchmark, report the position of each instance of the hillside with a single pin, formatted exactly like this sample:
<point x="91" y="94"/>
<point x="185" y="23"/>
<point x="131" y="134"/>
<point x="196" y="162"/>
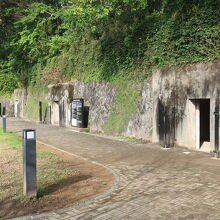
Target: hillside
<point x="47" y="41"/>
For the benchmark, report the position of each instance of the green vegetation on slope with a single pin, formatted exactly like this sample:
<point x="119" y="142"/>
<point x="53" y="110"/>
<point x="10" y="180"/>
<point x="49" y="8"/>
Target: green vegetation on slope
<point x="125" y="105"/>
<point x="102" y="40"/>
<point x="36" y="93"/>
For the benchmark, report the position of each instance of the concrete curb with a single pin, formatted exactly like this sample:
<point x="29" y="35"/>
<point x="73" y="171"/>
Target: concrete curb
<point x="61" y="211"/>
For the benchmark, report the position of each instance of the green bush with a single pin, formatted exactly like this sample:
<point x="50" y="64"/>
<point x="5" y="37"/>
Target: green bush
<point x="105" y="40"/>
<point x="7" y="84"/>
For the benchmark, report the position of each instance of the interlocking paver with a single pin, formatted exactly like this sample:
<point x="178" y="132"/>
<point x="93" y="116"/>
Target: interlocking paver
<point x="154" y="184"/>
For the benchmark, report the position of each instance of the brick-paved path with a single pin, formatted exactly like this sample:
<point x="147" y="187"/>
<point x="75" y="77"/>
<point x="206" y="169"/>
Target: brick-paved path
<point x="154" y="183"/>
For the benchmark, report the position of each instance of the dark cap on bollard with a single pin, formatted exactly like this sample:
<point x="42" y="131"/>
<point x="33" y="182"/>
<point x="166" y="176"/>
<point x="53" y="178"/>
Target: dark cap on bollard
<point x="4" y="111"/>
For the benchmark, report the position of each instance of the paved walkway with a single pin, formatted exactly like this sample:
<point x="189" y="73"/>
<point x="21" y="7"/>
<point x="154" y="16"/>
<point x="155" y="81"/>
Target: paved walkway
<point x="154" y="183"/>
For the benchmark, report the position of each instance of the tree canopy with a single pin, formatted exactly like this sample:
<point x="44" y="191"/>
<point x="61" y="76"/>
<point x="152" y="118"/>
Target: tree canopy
<point x="56" y="40"/>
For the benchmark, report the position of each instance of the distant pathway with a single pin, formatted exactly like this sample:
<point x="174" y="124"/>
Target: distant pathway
<point x="154" y="183"/>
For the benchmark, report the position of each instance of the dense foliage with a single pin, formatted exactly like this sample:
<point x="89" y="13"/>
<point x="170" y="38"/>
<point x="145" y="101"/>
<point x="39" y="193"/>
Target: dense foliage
<point x="58" y="40"/>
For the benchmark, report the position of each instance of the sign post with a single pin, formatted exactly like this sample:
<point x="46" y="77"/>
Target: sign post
<point x="29" y="162"/>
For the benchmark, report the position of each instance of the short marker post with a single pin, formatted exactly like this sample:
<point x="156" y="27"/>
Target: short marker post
<point x="29" y="162"/>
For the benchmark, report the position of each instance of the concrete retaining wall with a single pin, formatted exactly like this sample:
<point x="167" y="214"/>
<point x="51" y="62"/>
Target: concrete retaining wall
<point x="99" y="99"/>
<point x="60" y="97"/>
<point x="141" y="123"/>
<point x="20" y="99"/>
<point x="183" y="89"/>
<point x="9" y="105"/>
<point x="180" y="91"/>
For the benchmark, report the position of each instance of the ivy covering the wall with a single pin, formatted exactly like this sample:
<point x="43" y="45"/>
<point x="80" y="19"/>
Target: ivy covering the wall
<point x="126" y="101"/>
<point x="36" y="94"/>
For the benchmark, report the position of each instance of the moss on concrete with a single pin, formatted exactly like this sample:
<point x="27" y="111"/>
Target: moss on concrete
<point x="126" y="101"/>
<point x="36" y="94"/>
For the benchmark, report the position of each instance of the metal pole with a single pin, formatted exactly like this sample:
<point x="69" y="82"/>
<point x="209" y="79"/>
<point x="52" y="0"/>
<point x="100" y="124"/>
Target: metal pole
<point x="0" y="109"/>
<point x="40" y="111"/>
<point x="29" y="162"/>
<point x="216" y="113"/>
<point x="50" y="114"/>
<point x="4" y="120"/>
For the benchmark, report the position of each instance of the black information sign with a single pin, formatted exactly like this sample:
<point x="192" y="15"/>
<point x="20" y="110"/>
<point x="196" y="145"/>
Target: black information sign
<point x="77" y="119"/>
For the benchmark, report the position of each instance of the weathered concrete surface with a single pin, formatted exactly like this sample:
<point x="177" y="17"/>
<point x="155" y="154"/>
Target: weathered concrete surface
<point x="9" y="105"/>
<point x="99" y="98"/>
<point x="20" y="100"/>
<point x="141" y="123"/>
<point x="155" y="184"/>
<point x="60" y="97"/>
<point x="182" y="88"/>
<point x="179" y="89"/>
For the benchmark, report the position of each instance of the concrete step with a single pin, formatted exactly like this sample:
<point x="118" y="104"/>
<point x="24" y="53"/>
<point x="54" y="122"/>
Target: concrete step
<point x="205" y="147"/>
<point x="76" y="129"/>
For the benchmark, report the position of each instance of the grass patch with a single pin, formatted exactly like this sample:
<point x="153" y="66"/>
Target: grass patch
<point x="51" y="169"/>
<point x="11" y="139"/>
<point x="129" y="139"/>
<point x="62" y="179"/>
<point x="126" y="101"/>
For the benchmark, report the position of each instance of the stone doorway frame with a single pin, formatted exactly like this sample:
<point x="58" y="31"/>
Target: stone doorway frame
<point x="197" y="102"/>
